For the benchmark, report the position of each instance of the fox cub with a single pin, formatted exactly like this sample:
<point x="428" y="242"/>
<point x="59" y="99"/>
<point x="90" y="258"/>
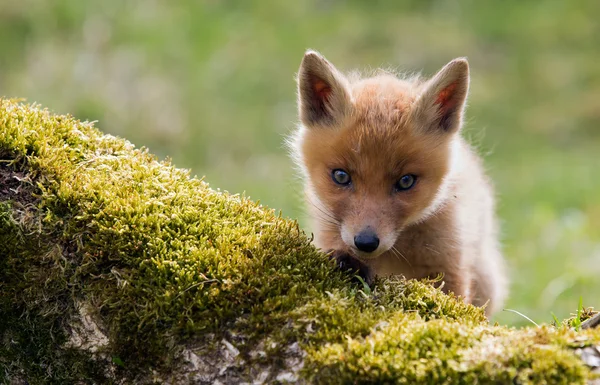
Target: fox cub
<point x="392" y="187"/>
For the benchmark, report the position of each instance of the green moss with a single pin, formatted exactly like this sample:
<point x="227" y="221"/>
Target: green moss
<point x="160" y="259"/>
<point x="409" y="351"/>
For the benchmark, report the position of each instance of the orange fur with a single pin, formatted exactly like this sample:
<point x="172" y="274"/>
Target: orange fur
<point x="377" y="130"/>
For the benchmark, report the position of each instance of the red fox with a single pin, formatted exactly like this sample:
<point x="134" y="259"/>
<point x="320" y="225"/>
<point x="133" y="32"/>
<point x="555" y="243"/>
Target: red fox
<point x="392" y="186"/>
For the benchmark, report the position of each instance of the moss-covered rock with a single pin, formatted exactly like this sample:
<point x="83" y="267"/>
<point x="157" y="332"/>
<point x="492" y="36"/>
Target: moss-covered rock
<point x="118" y="268"/>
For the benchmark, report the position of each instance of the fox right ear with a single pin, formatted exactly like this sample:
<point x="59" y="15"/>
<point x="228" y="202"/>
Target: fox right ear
<point x="442" y="101"/>
<point x="323" y="92"/>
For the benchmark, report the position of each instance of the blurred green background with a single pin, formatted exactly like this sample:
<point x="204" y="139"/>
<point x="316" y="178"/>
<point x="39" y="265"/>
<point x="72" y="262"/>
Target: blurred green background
<point x="211" y="85"/>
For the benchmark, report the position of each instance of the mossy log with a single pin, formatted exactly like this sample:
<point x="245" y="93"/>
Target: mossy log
<point x="118" y="268"/>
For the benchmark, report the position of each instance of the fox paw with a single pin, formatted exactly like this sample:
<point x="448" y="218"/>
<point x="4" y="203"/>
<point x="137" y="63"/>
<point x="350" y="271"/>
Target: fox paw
<point x="346" y="262"/>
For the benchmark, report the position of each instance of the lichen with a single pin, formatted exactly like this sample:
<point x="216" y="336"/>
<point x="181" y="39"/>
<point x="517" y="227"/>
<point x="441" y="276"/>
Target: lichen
<point x="166" y="276"/>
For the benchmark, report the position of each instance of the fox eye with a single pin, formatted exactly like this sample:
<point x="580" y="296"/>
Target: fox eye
<point x="340" y="177"/>
<point x="406" y="182"/>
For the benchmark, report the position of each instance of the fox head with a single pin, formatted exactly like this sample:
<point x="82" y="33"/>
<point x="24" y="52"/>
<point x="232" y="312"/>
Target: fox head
<point x="377" y="153"/>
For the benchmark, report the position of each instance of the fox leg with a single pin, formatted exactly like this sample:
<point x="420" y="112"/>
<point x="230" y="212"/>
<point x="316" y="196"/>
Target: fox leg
<point x="347" y="262"/>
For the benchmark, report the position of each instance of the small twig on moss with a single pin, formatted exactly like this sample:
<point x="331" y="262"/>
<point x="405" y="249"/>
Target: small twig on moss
<point x="196" y="285"/>
<point x="591" y="323"/>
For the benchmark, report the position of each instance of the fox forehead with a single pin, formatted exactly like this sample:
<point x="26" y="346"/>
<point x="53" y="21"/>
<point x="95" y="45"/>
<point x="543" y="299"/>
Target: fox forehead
<point x="377" y="135"/>
<point x="382" y="100"/>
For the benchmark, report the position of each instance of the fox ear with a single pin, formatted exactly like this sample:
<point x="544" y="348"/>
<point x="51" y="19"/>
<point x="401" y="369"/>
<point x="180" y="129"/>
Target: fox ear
<point x="323" y="92"/>
<point x="441" y="103"/>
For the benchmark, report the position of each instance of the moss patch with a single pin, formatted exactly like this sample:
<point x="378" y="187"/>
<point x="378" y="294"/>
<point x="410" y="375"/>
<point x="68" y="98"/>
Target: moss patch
<point x="162" y="263"/>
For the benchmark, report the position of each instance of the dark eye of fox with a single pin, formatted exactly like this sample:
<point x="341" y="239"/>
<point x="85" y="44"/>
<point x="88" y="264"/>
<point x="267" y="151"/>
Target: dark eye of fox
<point x="406" y="182"/>
<point x="340" y="177"/>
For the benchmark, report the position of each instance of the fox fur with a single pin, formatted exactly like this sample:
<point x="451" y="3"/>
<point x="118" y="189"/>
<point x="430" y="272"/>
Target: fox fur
<point x="377" y="130"/>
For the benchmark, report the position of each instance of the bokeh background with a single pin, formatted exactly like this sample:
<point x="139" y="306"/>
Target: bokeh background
<point x="210" y="84"/>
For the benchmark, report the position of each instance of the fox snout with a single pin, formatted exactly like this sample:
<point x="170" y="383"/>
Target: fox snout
<point x="366" y="241"/>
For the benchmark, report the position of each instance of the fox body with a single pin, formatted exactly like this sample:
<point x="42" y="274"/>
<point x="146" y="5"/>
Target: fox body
<point x="391" y="184"/>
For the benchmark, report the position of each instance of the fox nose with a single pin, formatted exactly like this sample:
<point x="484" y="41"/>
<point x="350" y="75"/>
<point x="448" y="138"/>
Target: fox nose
<point x="366" y="241"/>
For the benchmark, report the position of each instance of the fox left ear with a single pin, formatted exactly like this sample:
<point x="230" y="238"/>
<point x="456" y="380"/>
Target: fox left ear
<point x="323" y="94"/>
<point x="442" y="101"/>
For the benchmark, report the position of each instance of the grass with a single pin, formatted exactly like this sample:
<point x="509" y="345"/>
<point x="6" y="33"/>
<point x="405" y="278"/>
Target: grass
<point x="525" y="317"/>
<point x="576" y="323"/>
<point x="210" y="85"/>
